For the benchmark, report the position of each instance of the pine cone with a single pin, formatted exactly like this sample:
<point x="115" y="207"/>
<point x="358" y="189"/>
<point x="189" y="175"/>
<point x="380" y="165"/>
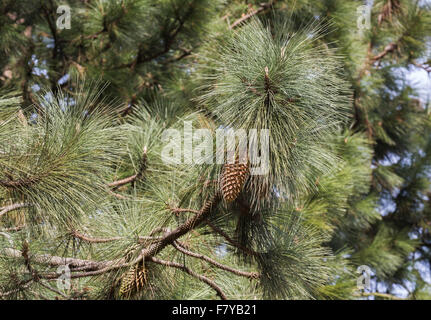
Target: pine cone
<point x="233" y="178"/>
<point x="133" y="281"/>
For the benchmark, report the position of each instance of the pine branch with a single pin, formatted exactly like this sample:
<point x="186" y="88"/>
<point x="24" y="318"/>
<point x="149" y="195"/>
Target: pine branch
<point x="426" y="67"/>
<point x="186" y="53"/>
<point x="122" y="182"/>
<point x="94" y="268"/>
<point x="22" y="287"/>
<point x="388" y="49"/>
<point x="20" y="183"/>
<point x="53" y="30"/>
<point x="39" y="295"/>
<point x="85" y="238"/>
<point x="230" y="240"/>
<point x="12" y="207"/>
<point x="369" y="62"/>
<point x="378" y="294"/>
<point x="187" y="226"/>
<point x="170" y="236"/>
<point x="251" y="275"/>
<point x="117" y="195"/>
<point x="141" y="170"/>
<point x="13" y="229"/>
<point x="192" y="273"/>
<point x="55" y="261"/>
<point x="34" y="274"/>
<point x="25" y="255"/>
<point x="47" y="286"/>
<point x="262" y="7"/>
<point x="183" y="210"/>
<point x="89" y="239"/>
<point x="392" y="6"/>
<point x="168" y="42"/>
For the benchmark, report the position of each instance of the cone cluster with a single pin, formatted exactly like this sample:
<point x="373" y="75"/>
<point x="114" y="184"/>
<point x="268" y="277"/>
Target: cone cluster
<point x="133" y="281"/>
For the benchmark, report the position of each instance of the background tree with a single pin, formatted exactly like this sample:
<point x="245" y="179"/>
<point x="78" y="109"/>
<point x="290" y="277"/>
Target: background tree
<point x="83" y="183"/>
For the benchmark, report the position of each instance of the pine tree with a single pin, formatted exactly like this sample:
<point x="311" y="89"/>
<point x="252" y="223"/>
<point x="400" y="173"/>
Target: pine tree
<point x="86" y="114"/>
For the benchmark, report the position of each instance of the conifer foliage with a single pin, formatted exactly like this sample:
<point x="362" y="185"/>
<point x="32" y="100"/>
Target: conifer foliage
<point x="90" y="207"/>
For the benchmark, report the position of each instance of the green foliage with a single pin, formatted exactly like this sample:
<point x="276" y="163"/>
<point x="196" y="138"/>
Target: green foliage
<point x="83" y="181"/>
<point x="61" y="159"/>
<point x="272" y="79"/>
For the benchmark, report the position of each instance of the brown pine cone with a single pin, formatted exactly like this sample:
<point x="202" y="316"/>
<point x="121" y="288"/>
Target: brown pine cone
<point x="133" y="281"/>
<point x="233" y="179"/>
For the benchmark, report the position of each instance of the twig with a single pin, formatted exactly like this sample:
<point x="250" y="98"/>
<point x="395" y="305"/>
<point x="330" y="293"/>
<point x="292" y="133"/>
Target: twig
<point x="389" y="48"/>
<point x="190" y="272"/>
<point x="94" y="268"/>
<point x="230" y="240"/>
<point x="117" y="195"/>
<point x="158" y="230"/>
<point x="18" y="228"/>
<point x="39" y="295"/>
<point x="12" y="207"/>
<point x="263" y="6"/>
<point x="250" y="87"/>
<point x="369" y="61"/>
<point x="378" y="294"/>
<point x="22" y="182"/>
<point x="85" y="238"/>
<point x="121" y="182"/>
<point x="133" y="178"/>
<point x="422" y="66"/>
<point x="52" y="289"/>
<point x="25" y="255"/>
<point x="251" y="275"/>
<point x="55" y="261"/>
<point x="141" y="57"/>
<point x="190" y="224"/>
<point x="53" y="31"/>
<point x="107" y="267"/>
<point x="182" y="210"/>
<point x="186" y="53"/>
<point x="25" y="285"/>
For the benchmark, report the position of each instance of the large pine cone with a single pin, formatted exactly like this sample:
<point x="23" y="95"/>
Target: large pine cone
<point x="233" y="179"/>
